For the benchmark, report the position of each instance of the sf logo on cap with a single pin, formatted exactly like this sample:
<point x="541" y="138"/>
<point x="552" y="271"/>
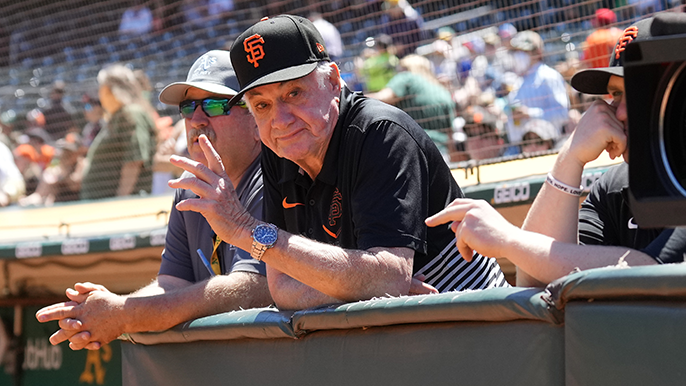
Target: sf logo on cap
<point x="253" y="46"/>
<point x="629" y="35"/>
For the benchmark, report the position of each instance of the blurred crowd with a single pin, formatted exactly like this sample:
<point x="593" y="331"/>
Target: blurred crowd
<point x="482" y="95"/>
<point x="488" y="94"/>
<point x="117" y="145"/>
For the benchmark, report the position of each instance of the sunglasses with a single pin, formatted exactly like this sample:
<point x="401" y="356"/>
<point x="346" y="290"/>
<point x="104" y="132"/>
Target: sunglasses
<point x="212" y="107"/>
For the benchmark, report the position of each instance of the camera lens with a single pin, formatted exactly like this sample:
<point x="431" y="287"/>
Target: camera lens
<point x="673" y="129"/>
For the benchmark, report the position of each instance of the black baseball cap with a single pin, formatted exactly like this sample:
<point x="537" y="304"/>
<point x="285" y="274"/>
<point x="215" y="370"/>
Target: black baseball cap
<point x="277" y="49"/>
<point x="594" y="80"/>
<point x="212" y="72"/>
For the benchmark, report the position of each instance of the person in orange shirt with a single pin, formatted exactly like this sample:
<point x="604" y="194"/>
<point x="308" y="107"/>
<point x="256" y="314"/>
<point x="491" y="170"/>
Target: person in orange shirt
<point x="601" y="42"/>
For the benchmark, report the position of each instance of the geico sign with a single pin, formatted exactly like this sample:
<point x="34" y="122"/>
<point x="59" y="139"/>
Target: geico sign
<point x="75" y="247"/>
<point x="28" y="250"/>
<point x="124" y="242"/>
<point x="506" y="193"/>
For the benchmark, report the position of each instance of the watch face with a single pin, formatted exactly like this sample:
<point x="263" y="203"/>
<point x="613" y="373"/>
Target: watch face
<point x="265" y="234"/>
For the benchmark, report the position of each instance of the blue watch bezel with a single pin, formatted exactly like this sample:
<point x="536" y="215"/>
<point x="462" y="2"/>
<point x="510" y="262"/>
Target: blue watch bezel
<point x="265" y="234"/>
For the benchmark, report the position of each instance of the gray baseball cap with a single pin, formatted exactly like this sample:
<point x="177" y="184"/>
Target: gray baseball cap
<point x="212" y="72"/>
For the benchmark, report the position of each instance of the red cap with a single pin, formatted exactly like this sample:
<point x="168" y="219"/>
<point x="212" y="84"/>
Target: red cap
<point x="605" y="16"/>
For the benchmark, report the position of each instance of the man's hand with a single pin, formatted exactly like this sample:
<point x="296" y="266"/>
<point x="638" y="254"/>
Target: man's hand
<point x="477" y="226"/>
<point x="88" y="320"/>
<point x="218" y="201"/>
<point x="418" y="287"/>
<point x="598" y="130"/>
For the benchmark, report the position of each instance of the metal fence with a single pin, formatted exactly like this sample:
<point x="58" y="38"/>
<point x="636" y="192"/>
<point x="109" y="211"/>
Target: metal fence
<point x="43" y="42"/>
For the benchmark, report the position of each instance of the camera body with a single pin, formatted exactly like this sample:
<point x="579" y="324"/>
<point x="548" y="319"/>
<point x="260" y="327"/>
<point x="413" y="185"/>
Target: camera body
<point x="655" y="87"/>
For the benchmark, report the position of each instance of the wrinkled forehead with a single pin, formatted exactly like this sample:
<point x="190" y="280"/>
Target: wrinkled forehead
<point x="278" y="86"/>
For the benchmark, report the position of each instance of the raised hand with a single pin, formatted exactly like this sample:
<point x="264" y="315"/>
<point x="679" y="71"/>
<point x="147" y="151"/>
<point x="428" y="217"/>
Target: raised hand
<point x="218" y="201"/>
<point x="477" y="226"/>
<point x="598" y="130"/>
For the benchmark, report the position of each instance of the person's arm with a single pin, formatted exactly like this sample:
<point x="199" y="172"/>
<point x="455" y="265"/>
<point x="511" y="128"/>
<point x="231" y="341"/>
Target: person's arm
<point x="479" y="227"/>
<point x="555" y="213"/>
<point x="129" y="177"/>
<point x="341" y="274"/>
<point x="385" y="95"/>
<point x="338" y="274"/>
<point x="161" y="305"/>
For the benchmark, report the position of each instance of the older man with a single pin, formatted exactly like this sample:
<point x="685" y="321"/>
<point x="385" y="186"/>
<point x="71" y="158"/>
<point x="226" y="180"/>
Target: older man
<point x="186" y="287"/>
<point x="348" y="182"/>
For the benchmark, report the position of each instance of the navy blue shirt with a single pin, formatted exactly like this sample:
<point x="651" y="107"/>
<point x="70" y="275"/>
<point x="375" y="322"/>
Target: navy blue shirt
<point x="188" y="231"/>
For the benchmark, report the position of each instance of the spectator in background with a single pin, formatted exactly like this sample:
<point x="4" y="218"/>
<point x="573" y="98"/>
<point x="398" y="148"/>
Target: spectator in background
<point x="330" y="34"/>
<point x="444" y="53"/>
<point x="483" y="138"/>
<point x="542" y="93"/>
<point x="416" y="91"/>
<point x="539" y="135"/>
<point x="219" y="11"/>
<point x="402" y="23"/>
<point x="601" y="42"/>
<point x="11" y="181"/>
<point x="506" y="32"/>
<point x="378" y="63"/>
<point x="95" y="120"/>
<point x="137" y="20"/>
<point x="58" y="121"/>
<point x="165" y="130"/>
<point x="61" y="182"/>
<point x="7" y="120"/>
<point x="194" y="13"/>
<point x="34" y="153"/>
<point x="120" y="158"/>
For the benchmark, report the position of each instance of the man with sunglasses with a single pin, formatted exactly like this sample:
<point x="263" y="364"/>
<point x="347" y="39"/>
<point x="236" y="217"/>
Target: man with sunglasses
<point x="186" y="286"/>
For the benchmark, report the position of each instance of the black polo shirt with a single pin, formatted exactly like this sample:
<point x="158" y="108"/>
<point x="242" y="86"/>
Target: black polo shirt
<point x="381" y="177"/>
<point x="606" y="218"/>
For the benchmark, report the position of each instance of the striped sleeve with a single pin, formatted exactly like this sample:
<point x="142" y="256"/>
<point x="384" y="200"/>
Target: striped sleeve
<point x="448" y="271"/>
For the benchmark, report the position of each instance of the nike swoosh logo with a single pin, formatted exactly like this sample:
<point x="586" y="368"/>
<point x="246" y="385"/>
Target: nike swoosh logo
<point x="335" y="236"/>
<point x="632" y="224"/>
<point x="288" y="205"/>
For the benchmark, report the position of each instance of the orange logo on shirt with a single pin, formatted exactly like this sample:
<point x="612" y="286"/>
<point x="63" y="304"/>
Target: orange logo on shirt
<point x="253" y="46"/>
<point x="288" y="205"/>
<point x="335" y="212"/>
<point x="629" y="35"/>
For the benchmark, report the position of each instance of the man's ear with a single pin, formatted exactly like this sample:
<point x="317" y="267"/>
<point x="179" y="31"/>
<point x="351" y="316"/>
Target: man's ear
<point x="335" y="77"/>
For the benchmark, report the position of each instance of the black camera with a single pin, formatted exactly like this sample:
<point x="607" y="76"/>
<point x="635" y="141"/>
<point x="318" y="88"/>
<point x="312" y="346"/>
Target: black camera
<point x="655" y="87"/>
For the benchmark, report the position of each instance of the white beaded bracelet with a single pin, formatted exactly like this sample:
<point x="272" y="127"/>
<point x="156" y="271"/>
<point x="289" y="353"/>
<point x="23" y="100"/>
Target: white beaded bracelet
<point x="561" y="186"/>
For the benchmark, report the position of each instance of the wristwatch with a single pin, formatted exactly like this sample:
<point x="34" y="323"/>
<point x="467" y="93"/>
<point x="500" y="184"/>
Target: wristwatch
<point x="263" y="237"/>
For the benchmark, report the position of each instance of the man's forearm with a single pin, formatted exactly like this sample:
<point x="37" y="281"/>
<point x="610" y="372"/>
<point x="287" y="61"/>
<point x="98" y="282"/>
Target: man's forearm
<point x="343" y="274"/>
<point x="290" y="294"/>
<point x="239" y="290"/>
